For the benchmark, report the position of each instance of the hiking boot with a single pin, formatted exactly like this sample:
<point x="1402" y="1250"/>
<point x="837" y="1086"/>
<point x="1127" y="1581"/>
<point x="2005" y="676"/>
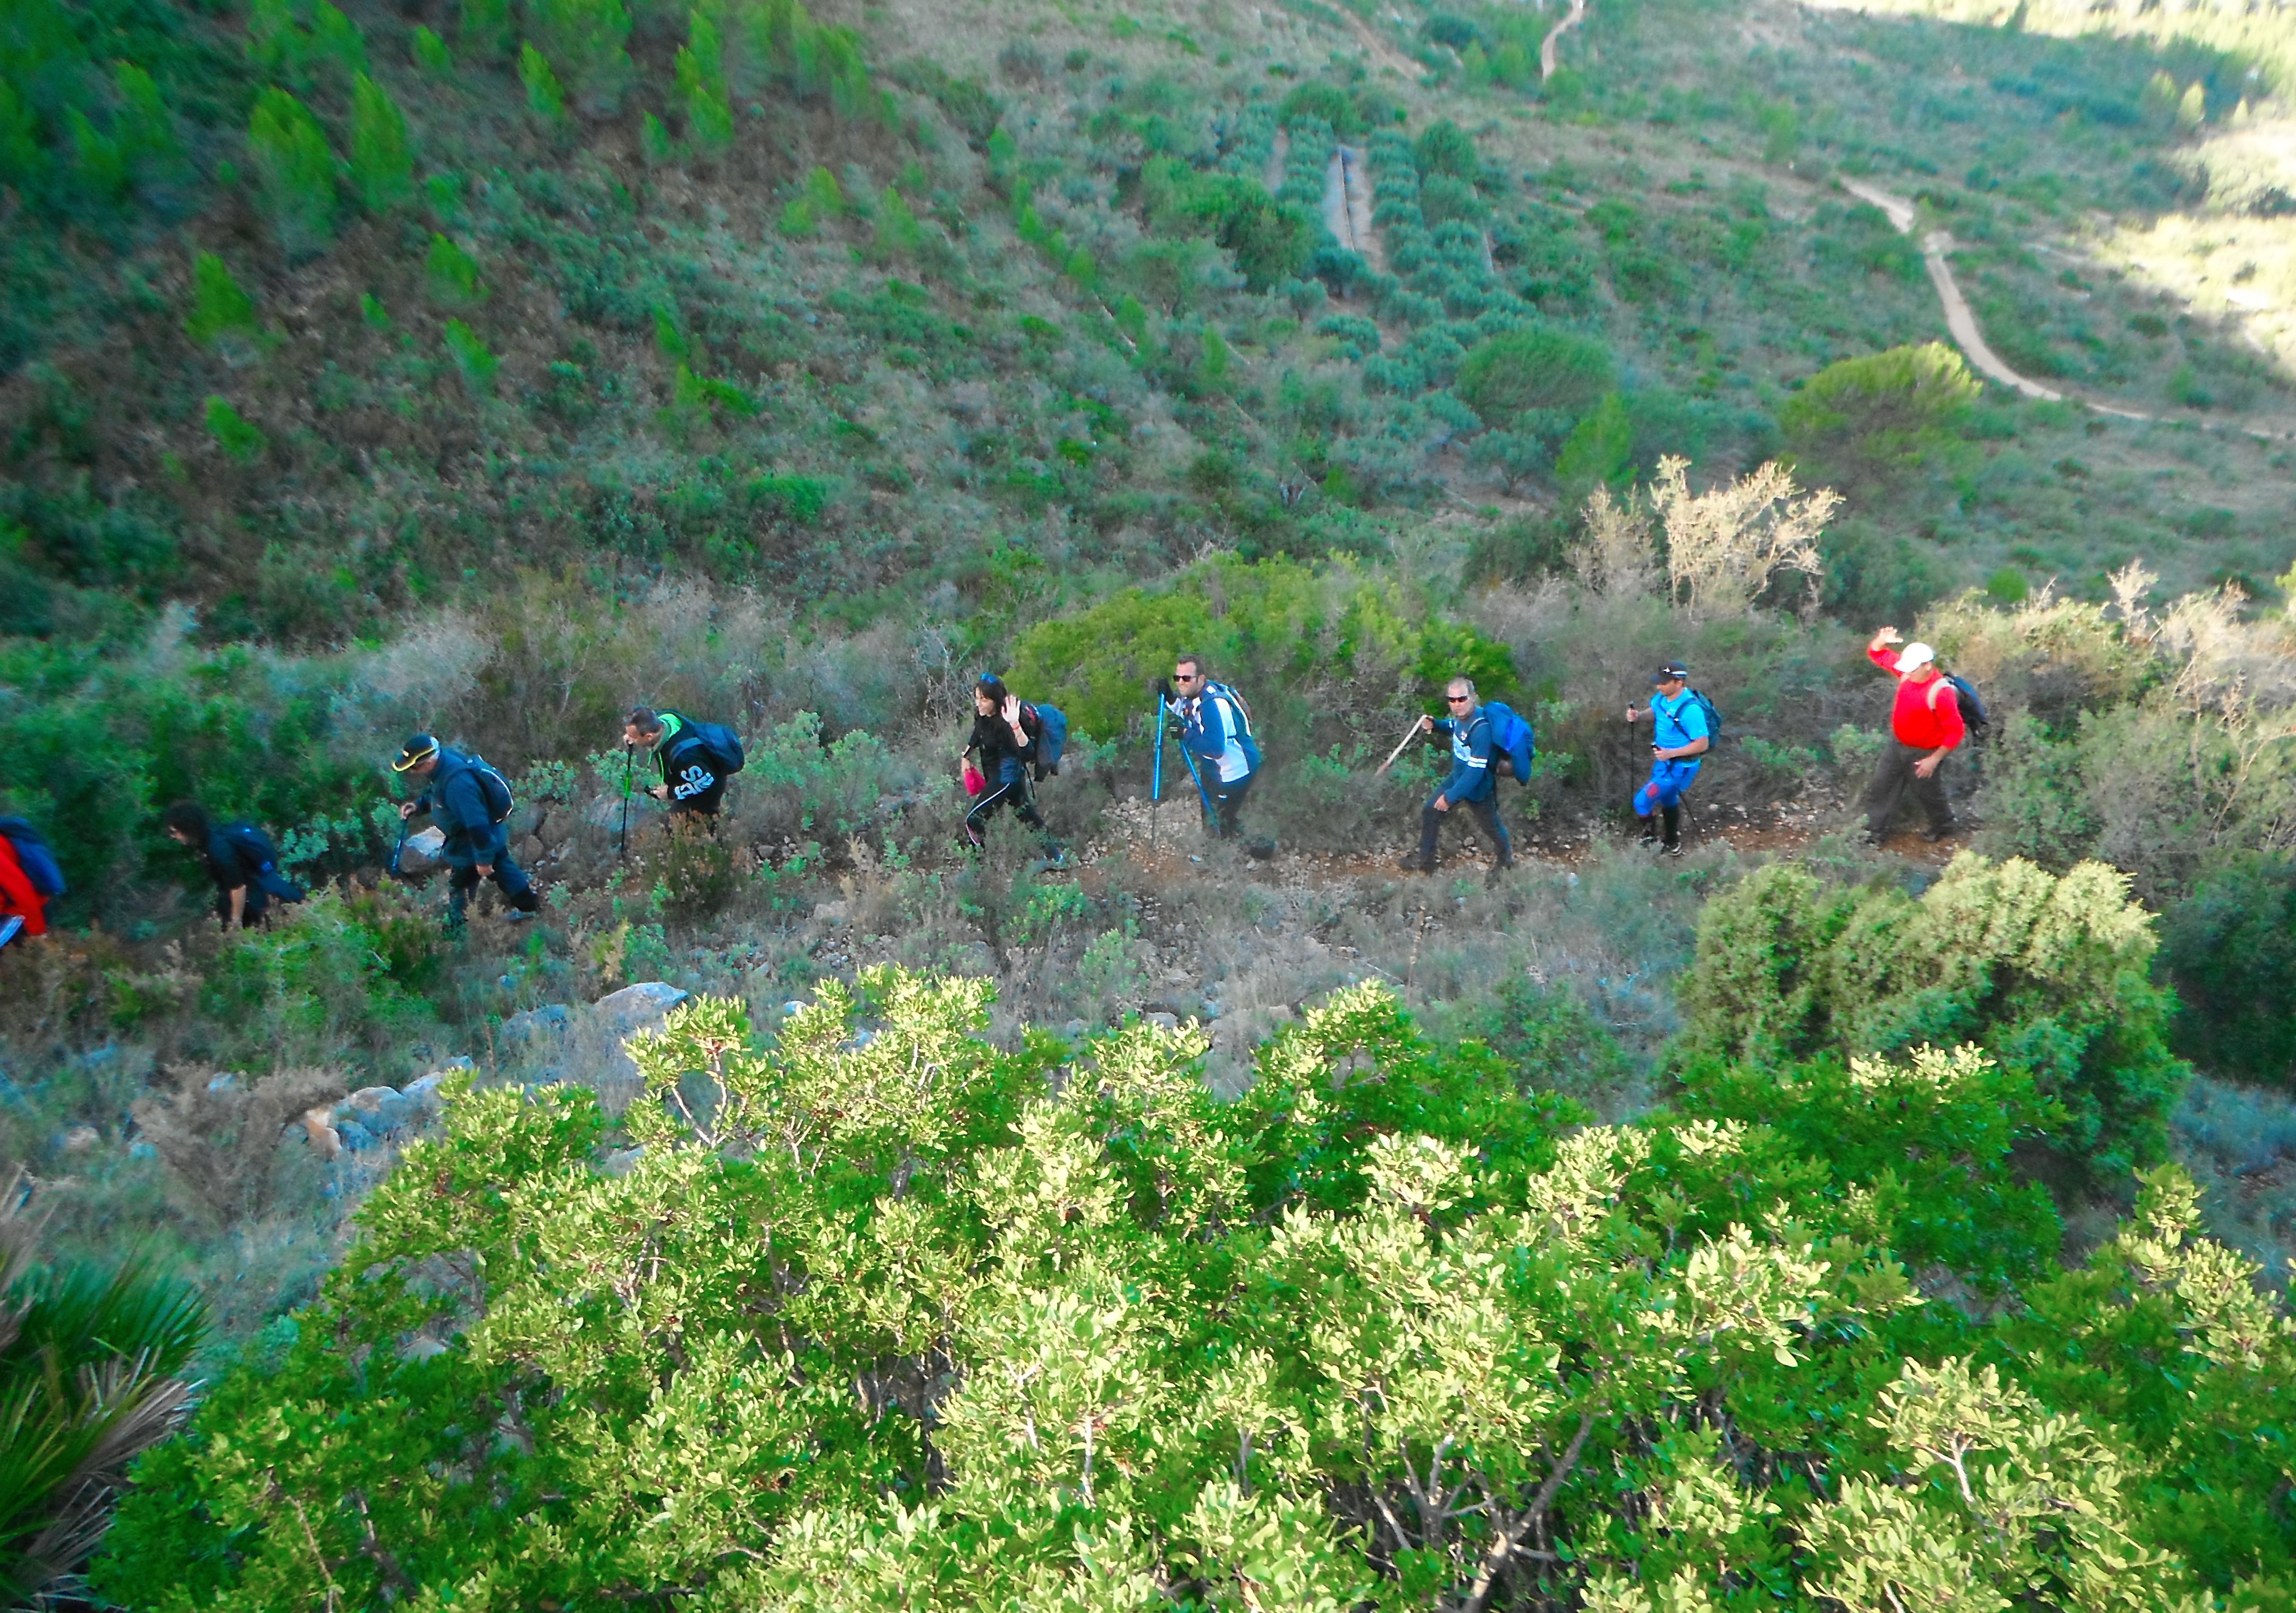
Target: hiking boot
<point x="1672" y="848"/>
<point x="1410" y="863"/>
<point x="1947" y="833"/>
<point x="1499" y="870"/>
<point x="518" y="916"/>
<point x="1260" y="850"/>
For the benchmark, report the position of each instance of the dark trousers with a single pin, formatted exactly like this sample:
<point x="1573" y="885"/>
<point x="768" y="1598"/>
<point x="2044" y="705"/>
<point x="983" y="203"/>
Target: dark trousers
<point x="1223" y="814"/>
<point x="1013" y="792"/>
<point x="1893" y="778"/>
<point x="1486" y="814"/>
<point x="704" y="805"/>
<point x="507" y="875"/>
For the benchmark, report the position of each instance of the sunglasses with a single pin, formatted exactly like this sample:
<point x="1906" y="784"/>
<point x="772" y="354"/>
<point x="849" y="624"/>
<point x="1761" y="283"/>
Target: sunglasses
<point x="1458" y="699"/>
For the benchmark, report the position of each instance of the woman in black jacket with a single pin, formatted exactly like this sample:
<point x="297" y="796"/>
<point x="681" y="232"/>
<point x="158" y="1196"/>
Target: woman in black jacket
<point x="1004" y="732"/>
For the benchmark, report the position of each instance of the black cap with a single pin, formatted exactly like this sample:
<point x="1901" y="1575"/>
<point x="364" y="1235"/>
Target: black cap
<point x="1669" y="671"/>
<point x="418" y="749"/>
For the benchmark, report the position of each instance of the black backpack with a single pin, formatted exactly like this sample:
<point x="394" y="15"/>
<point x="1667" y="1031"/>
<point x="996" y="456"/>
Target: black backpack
<point x="1973" y="704"/>
<point x="493" y="787"/>
<point x="260" y="859"/>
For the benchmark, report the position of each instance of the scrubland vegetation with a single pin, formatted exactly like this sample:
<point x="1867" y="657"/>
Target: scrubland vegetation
<point x="1802" y="1222"/>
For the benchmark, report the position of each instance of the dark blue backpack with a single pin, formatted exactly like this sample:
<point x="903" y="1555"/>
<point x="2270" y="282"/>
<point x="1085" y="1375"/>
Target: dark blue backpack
<point x="260" y="860"/>
<point x="1713" y="719"/>
<point x="1051" y="737"/>
<point x="40" y="865"/>
<point x="493" y="786"/>
<point x="721" y="742"/>
<point x="1973" y="704"/>
<point x="1513" y="734"/>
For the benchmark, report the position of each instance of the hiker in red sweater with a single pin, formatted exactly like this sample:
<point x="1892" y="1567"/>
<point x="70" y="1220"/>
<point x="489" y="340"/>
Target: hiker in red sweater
<point x="1926" y="725"/>
<point x="23" y="911"/>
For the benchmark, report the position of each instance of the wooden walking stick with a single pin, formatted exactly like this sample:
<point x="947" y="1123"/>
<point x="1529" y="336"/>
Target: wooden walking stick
<point x="1398" y="750"/>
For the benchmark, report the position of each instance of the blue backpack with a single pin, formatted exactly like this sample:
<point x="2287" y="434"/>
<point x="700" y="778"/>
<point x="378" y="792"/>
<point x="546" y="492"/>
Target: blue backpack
<point x="1243" y="720"/>
<point x="40" y="865"/>
<point x="1973" y="704"/>
<point x="1513" y="734"/>
<point x="721" y="742"/>
<point x="1052" y="737"/>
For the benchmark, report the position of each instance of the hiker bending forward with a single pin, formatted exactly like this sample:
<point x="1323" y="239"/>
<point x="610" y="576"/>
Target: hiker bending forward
<point x="476" y="848"/>
<point x="1004" y="735"/>
<point x="1473" y="783"/>
<point x="1214" y="727"/>
<point x="1679" y="741"/>
<point x="692" y="775"/>
<point x="1925" y="726"/>
<point x="241" y="862"/>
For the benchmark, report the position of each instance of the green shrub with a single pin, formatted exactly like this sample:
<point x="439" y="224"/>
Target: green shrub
<point x="545" y="98"/>
<point x="431" y="53"/>
<point x="1325" y="101"/>
<point x="1533" y="368"/>
<point x="297" y="170"/>
<point x="472" y="361"/>
<point x="584" y="40"/>
<point x="2048" y="974"/>
<point x="238" y="439"/>
<point x="483" y="29"/>
<point x="382" y="163"/>
<point x="1272" y="241"/>
<point x="1599" y="452"/>
<point x="701" y="88"/>
<point x="1445" y="148"/>
<point x="451" y="273"/>
<point x="1143" y="1318"/>
<point x="1883" y="410"/>
<point x="220" y="308"/>
<point x="2230" y="949"/>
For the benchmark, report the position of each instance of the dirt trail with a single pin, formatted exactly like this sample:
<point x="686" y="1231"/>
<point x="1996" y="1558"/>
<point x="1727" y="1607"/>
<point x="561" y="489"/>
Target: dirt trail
<point x="1277" y="156"/>
<point x="1347" y="206"/>
<point x="1546" y="46"/>
<point x="1378" y="49"/>
<point x="1962" y="324"/>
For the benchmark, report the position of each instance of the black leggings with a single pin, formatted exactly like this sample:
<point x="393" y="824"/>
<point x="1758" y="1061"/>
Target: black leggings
<point x="1015" y="795"/>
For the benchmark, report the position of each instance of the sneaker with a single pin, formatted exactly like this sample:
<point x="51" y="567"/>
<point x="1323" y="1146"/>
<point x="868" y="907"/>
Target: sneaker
<point x="1409" y="863"/>
<point x="1672" y="848"/>
<point x="518" y="916"/>
<point x="1947" y="833"/>
<point x="8" y="928"/>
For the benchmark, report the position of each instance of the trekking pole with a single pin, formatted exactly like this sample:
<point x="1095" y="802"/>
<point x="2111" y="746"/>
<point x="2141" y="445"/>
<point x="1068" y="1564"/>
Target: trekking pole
<point x="626" y="770"/>
<point x="1399" y="743"/>
<point x="401" y="846"/>
<point x="1205" y="795"/>
<point x="1156" y="780"/>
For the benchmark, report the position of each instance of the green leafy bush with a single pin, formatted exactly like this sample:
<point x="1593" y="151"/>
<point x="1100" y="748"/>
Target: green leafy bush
<point x="452" y="274"/>
<point x="1884" y="409"/>
<point x="1272" y="241"/>
<point x="545" y="98"/>
<point x="1507" y="376"/>
<point x="472" y="360"/>
<point x="2230" y="947"/>
<point x="584" y="40"/>
<point x="880" y="1309"/>
<point x="2049" y="973"/>
<point x="239" y="438"/>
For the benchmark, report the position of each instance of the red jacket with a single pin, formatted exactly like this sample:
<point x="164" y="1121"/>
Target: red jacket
<point x="1927" y="715"/>
<point x="17" y="895"/>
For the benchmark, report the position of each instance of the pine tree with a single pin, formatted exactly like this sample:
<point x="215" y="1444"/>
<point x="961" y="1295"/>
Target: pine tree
<point x="471" y="358"/>
<point x="453" y="273"/>
<point x="584" y="40"/>
<point x="382" y="166"/>
<point x="220" y="307"/>
<point x="238" y="438"/>
<point x="544" y="96"/>
<point x="484" y="32"/>
<point x="297" y="170"/>
<point x="701" y="87"/>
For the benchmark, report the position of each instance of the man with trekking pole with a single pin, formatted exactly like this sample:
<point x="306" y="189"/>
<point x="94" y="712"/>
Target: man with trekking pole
<point x="1473" y="782"/>
<point x="471" y="802"/>
<point x="1680" y="738"/>
<point x="695" y="758"/>
<point x="1215" y="741"/>
<point x="1925" y="726"/>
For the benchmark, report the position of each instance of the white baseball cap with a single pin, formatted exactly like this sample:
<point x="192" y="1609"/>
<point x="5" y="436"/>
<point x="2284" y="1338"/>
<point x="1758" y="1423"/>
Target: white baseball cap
<point x="1915" y="655"/>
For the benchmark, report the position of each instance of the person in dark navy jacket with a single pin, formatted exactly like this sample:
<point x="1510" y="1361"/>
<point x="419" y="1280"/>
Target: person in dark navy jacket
<point x="469" y="801"/>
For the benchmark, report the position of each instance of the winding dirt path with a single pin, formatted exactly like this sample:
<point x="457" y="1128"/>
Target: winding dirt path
<point x="1384" y="53"/>
<point x="1546" y="46"/>
<point x="1962" y="324"/>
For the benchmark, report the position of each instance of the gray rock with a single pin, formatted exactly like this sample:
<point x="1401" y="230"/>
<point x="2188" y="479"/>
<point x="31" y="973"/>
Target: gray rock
<point x="791" y="1008"/>
<point x="606" y="812"/>
<point x="549" y="1023"/>
<point x="637" y="1006"/>
<point x="78" y="1139"/>
<point x="621" y="1162"/>
<point x="1165" y="1021"/>
<point x="379" y="1110"/>
<point x="225" y="1082"/>
<point x="1074" y="1030"/>
<point x="422" y="1092"/>
<point x="354" y="1138"/>
<point x="425" y="852"/>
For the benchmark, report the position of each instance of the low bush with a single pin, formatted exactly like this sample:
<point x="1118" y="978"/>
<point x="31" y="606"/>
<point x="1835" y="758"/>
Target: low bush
<point x="2230" y="949"/>
<point x="1536" y="368"/>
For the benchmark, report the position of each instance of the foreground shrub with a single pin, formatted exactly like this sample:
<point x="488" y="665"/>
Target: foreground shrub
<point x="883" y="1314"/>
<point x="2048" y="974"/>
<point x="2231" y="949"/>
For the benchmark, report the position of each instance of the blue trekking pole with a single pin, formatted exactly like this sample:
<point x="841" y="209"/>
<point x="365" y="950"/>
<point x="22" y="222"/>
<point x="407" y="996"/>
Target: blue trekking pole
<point x="1201" y="793"/>
<point x="1156" y="784"/>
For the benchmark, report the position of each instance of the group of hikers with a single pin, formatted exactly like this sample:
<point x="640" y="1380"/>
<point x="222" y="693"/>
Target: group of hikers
<point x="1016" y="744"/>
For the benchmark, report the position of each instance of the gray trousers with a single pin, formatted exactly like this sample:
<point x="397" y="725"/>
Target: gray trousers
<point x="1894" y="778"/>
